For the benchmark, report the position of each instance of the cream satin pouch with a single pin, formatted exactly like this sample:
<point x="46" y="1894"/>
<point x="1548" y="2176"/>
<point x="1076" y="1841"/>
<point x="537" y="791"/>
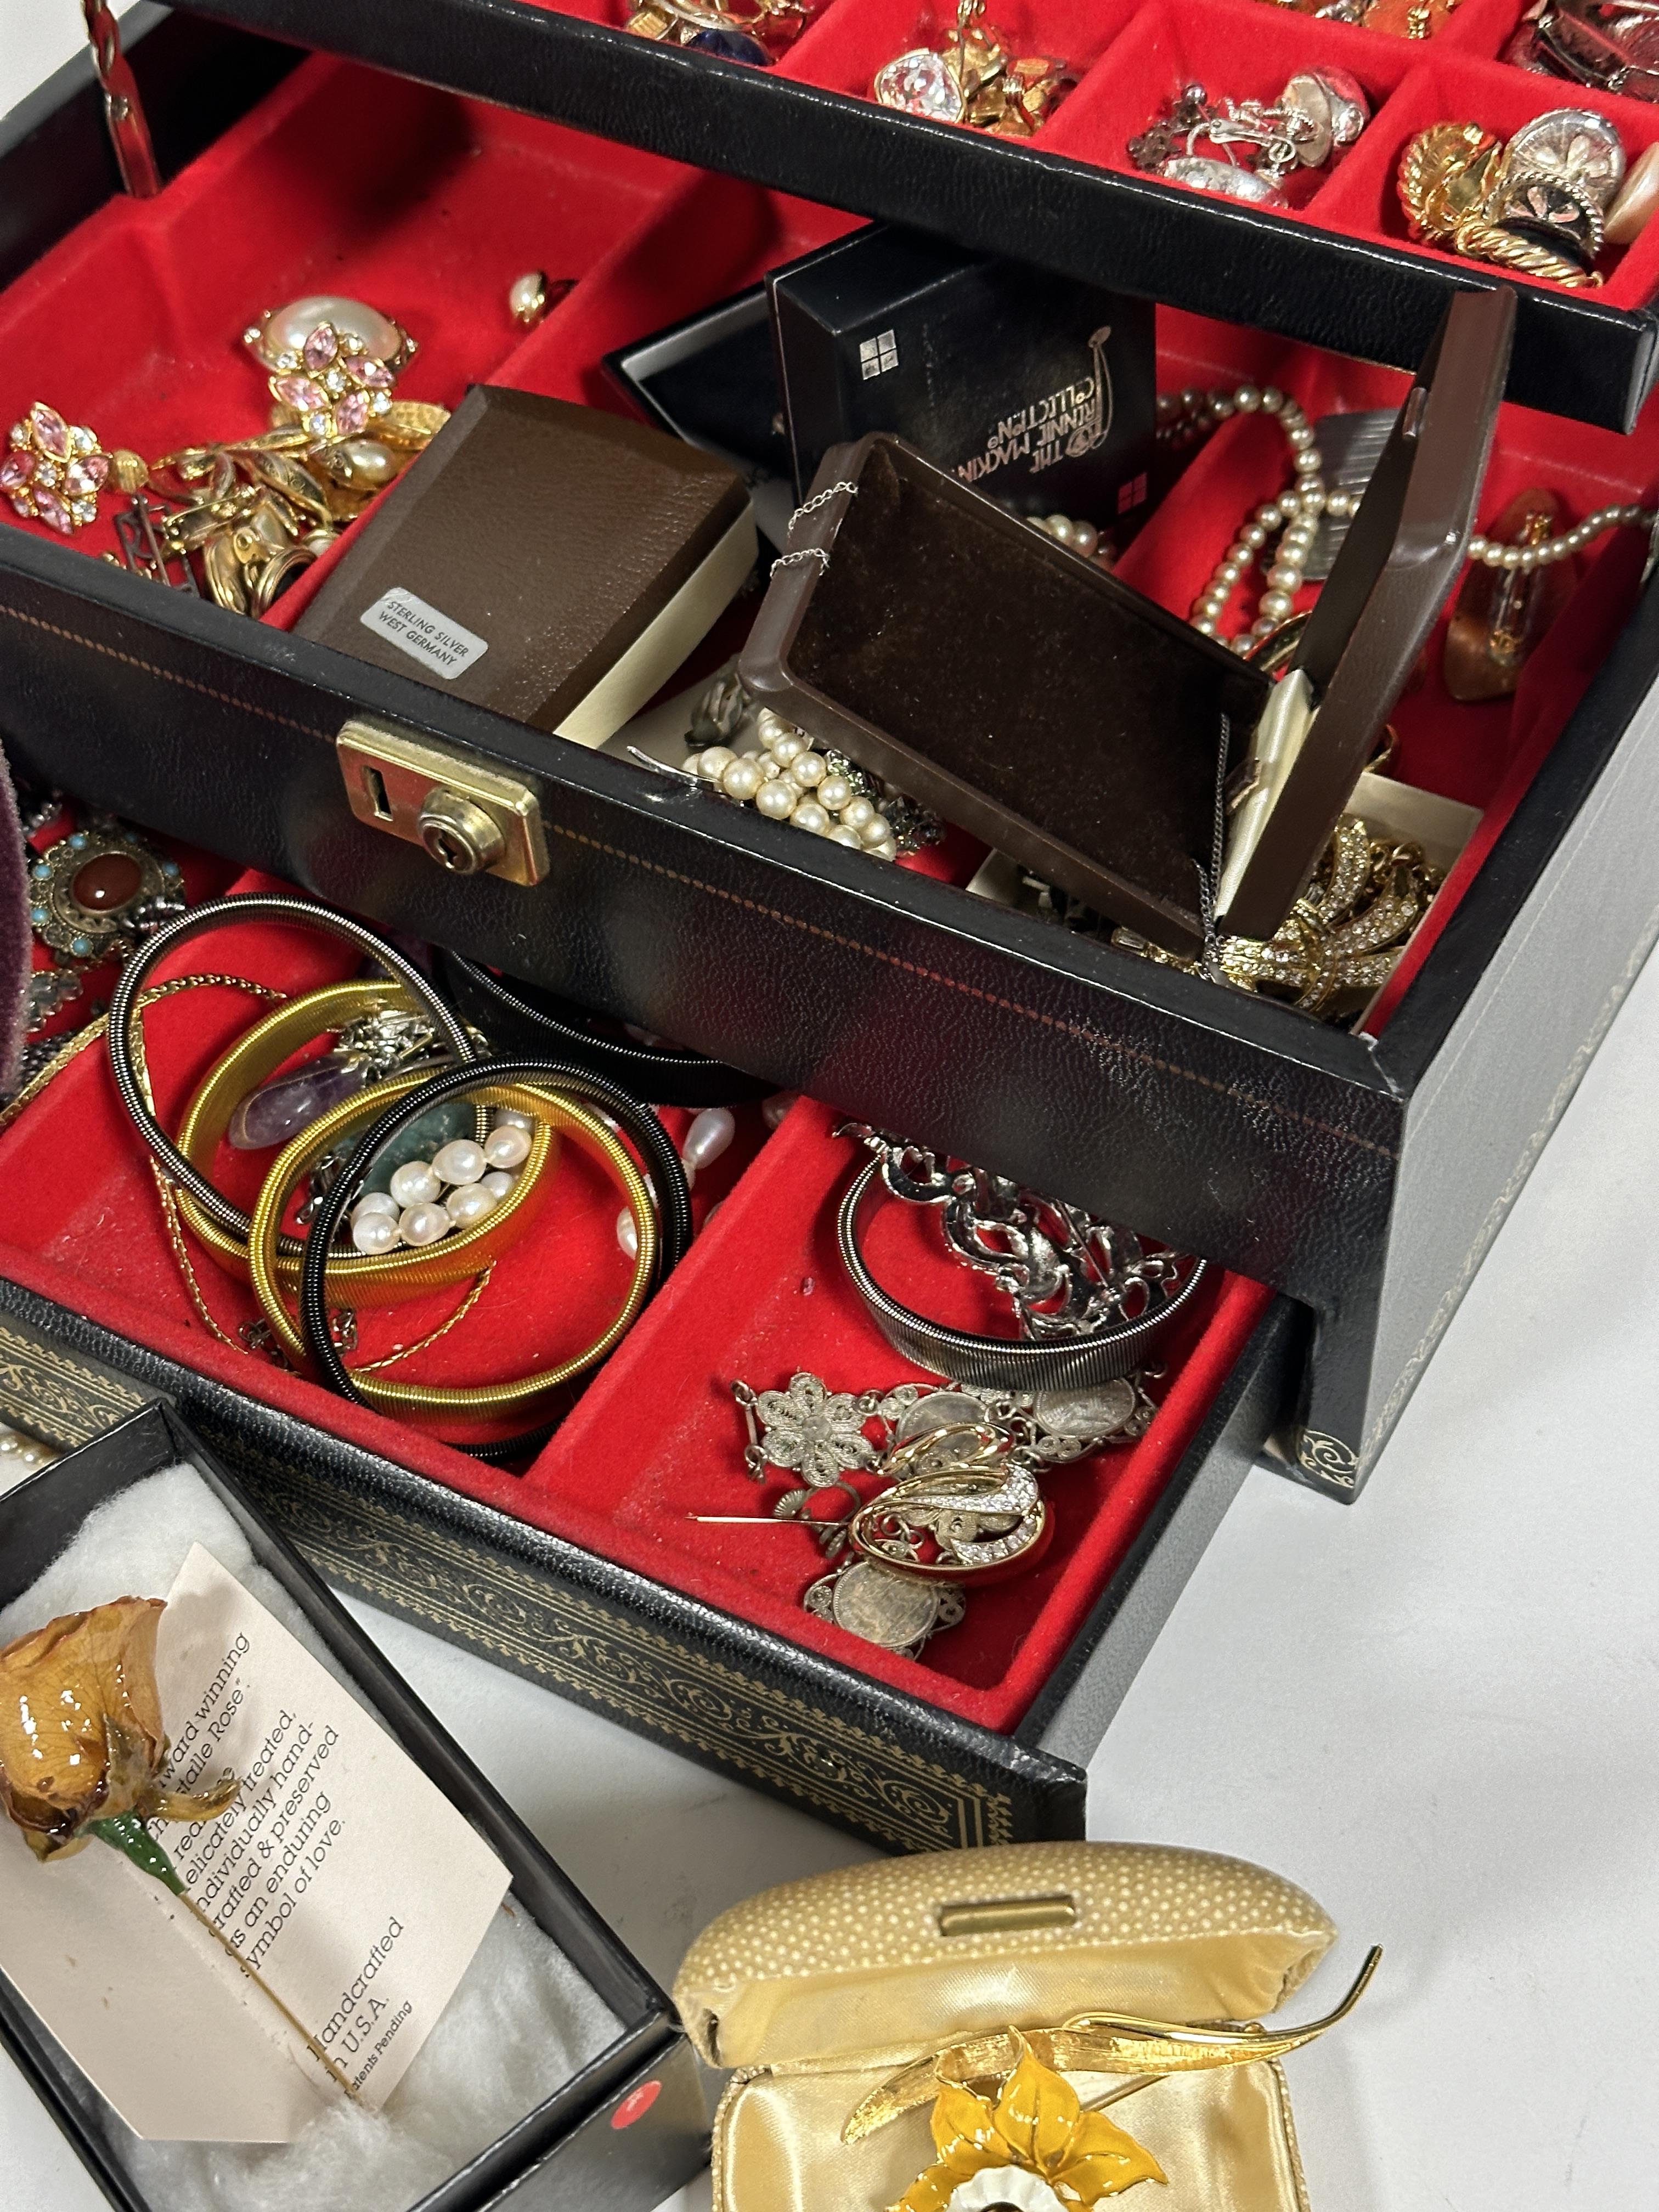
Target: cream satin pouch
<point x="822" y="1993"/>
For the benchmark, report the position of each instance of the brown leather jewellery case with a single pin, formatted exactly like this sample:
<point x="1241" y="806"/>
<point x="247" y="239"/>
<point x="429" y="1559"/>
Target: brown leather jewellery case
<point x="1077" y="725"/>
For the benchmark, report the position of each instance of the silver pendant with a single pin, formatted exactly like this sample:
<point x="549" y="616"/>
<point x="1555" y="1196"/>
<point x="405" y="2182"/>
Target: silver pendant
<point x="1071" y="1424"/>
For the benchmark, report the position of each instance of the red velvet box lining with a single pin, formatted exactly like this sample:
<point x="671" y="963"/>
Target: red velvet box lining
<point x="428" y="206"/>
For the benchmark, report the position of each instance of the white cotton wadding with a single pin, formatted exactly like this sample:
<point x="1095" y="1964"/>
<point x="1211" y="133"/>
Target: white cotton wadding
<point x="519" y="2025"/>
<point x="135" y="1546"/>
<point x="522" y="2022"/>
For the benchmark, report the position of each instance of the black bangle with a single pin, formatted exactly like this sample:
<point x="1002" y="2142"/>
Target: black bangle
<point x="225" y="914"/>
<point x="518" y="1016"/>
<point x="635" y="1121"/>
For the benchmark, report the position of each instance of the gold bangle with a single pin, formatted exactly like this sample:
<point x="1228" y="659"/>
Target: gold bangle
<point x="374" y="1278"/>
<point x="481" y="1401"/>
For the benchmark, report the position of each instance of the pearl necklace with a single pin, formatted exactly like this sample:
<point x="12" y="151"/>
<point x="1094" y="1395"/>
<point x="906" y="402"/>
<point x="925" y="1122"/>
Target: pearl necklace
<point x="787" y="781"/>
<point x="1184" y="418"/>
<point x="1082" y="536"/>
<point x="1187" y="418"/>
<point x="1296" y="512"/>
<point x="1492" y="556"/>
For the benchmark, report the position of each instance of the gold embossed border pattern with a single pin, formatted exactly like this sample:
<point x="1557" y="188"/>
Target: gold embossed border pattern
<point x="52" y="1395"/>
<point x="653" y="1682"/>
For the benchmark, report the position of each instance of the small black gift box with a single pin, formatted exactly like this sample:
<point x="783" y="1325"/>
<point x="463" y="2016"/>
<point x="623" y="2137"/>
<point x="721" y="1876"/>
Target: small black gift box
<point x="1035" y="389"/>
<point x="623" y="2131"/>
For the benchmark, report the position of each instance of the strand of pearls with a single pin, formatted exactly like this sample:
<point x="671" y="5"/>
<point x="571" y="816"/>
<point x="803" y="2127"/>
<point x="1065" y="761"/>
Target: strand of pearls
<point x="425" y="1199"/>
<point x="1562" y="547"/>
<point x="1296" y="512"/>
<point x="787" y="781"/>
<point x="1082" y="536"/>
<point x="1187" y="416"/>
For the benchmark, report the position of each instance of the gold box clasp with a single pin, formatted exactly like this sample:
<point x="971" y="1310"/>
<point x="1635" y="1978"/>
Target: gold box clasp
<point x="1007" y="1915"/>
<point x="471" y="820"/>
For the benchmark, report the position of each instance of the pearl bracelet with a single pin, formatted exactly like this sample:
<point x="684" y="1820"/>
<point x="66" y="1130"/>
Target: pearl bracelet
<point x="787" y="781"/>
<point x="660" y="1199"/>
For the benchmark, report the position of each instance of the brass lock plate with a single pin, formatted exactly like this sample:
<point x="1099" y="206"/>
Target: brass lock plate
<point x="471" y="820"/>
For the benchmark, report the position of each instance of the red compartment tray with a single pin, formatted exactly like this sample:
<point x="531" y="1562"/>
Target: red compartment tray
<point x="399" y="214"/>
<point x="1340" y="274"/>
<point x="657" y="1436"/>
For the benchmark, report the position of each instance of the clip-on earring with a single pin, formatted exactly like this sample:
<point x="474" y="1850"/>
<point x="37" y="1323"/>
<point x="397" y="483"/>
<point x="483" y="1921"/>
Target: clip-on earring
<point x="972" y="78"/>
<point x="54" y="471"/>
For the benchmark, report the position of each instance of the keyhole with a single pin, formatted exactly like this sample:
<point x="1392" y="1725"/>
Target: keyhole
<point x="452" y="851"/>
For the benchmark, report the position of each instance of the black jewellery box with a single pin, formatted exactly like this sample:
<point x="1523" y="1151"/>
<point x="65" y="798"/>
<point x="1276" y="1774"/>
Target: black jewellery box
<point x="628" y="2126"/>
<point x="1362" y="1176"/>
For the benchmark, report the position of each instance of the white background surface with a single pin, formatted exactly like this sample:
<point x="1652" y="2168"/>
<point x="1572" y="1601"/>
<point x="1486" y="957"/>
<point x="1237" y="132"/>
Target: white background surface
<point x="1435" y="1710"/>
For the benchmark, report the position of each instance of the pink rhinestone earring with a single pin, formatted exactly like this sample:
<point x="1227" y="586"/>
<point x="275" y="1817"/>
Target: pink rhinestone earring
<point x="53" y="470"/>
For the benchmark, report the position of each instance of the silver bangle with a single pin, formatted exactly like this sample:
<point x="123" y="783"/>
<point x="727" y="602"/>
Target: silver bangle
<point x="1107" y="1354"/>
<point x="224" y="914"/>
